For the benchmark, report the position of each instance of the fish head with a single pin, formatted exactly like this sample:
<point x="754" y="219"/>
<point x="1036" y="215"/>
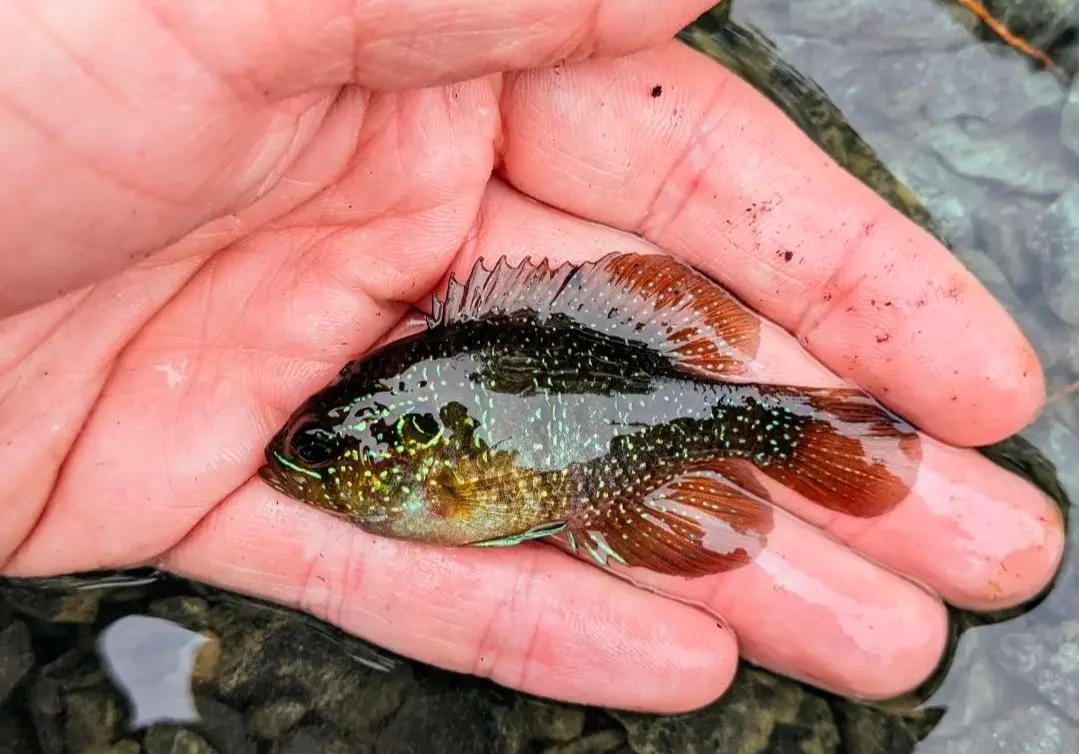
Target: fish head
<point x="393" y="464"/>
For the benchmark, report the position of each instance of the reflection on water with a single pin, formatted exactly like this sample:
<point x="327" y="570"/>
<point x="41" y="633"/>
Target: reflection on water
<point x="955" y="120"/>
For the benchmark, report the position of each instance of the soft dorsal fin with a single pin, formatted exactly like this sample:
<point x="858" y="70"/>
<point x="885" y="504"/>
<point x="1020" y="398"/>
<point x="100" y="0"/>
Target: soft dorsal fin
<point x="650" y="299"/>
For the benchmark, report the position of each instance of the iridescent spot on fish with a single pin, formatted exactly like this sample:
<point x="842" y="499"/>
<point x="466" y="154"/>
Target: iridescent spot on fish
<point x="592" y="402"/>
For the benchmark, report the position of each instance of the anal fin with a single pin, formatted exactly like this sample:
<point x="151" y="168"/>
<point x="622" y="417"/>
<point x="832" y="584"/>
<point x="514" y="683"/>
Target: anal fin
<point x="698" y="523"/>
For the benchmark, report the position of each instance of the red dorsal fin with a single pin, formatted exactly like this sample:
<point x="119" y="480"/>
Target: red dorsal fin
<point x="649" y="299"/>
<point x="697" y="523"/>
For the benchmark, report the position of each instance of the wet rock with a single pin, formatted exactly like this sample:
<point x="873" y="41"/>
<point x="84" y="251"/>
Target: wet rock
<point x="124" y="746"/>
<point x="1055" y="239"/>
<point x="91" y="718"/>
<point x="321" y="738"/>
<point x="533" y="722"/>
<point x="977" y="82"/>
<point x="261" y="658"/>
<point x="865" y="730"/>
<point x="1024" y="729"/>
<point x="271" y="720"/>
<point x="601" y="742"/>
<point x="1003" y="226"/>
<point x="168" y="739"/>
<point x="459" y="720"/>
<point x="761" y="713"/>
<point x="222" y="726"/>
<point x="1069" y="121"/>
<point x="190" y="612"/>
<point x="875" y="26"/>
<point x="14" y="738"/>
<point x="1023" y="160"/>
<point x="1047" y="657"/>
<point x="53" y="606"/>
<point x="16" y="657"/>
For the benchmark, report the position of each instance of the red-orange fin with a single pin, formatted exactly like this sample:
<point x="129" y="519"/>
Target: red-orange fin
<point x="696" y="524"/>
<point x="850" y="454"/>
<point x="649" y="299"/>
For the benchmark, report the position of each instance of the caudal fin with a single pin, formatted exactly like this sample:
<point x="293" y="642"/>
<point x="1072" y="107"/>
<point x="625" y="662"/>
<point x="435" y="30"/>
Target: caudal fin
<point x="852" y="455"/>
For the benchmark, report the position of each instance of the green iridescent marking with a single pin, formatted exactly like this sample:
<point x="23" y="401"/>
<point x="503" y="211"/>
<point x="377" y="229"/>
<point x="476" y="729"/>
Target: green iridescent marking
<point x="296" y="467"/>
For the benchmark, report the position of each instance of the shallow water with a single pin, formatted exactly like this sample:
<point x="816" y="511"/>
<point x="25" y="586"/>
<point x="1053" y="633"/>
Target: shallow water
<point x="959" y="131"/>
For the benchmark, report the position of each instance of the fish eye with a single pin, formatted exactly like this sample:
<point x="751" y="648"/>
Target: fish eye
<point x="312" y="444"/>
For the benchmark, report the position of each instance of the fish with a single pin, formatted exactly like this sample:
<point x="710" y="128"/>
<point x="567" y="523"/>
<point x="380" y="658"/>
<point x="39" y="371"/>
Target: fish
<point x="603" y="405"/>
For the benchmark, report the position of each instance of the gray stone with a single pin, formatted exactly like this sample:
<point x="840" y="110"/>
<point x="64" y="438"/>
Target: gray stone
<point x="879" y="26"/>
<point x="978" y="82"/>
<point x="1022" y="160"/>
<point x="1047" y="657"/>
<point x="16" y="657"/>
<point x="1024" y="729"/>
<point x="1055" y="240"/>
<point x="1069" y="121"/>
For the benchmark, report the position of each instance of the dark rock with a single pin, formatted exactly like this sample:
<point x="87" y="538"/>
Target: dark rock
<point x="169" y="739"/>
<point x="122" y="746"/>
<point x="48" y="688"/>
<point x="187" y="611"/>
<point x="91" y="717"/>
<point x="758" y="714"/>
<point x="267" y="658"/>
<point x="533" y="722"/>
<point x="51" y="605"/>
<point x="271" y="720"/>
<point x="318" y="738"/>
<point x="221" y="725"/>
<point x="462" y="721"/>
<point x="16" y="657"/>
<point x="14" y="738"/>
<point x="601" y="742"/>
<point x="865" y="730"/>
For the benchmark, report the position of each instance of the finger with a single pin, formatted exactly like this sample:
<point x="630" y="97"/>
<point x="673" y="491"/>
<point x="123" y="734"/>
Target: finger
<point x="529" y="618"/>
<point x="712" y="171"/>
<point x="976" y="534"/>
<point x="810" y="609"/>
<point x="279" y="49"/>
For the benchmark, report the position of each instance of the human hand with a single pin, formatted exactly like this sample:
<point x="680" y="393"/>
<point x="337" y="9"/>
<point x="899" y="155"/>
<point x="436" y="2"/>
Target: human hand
<point x="306" y="193"/>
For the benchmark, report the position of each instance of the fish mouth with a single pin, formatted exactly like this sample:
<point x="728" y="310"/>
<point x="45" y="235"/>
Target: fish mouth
<point x="269" y="475"/>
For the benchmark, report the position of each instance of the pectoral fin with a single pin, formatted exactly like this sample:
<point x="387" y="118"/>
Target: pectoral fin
<point x="696" y="524"/>
<point x="536" y="532"/>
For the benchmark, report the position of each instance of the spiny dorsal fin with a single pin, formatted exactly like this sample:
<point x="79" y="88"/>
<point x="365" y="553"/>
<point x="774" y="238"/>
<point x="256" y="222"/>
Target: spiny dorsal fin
<point x="649" y="299"/>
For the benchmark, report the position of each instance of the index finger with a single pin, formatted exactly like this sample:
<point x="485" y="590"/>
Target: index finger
<point x="670" y="145"/>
